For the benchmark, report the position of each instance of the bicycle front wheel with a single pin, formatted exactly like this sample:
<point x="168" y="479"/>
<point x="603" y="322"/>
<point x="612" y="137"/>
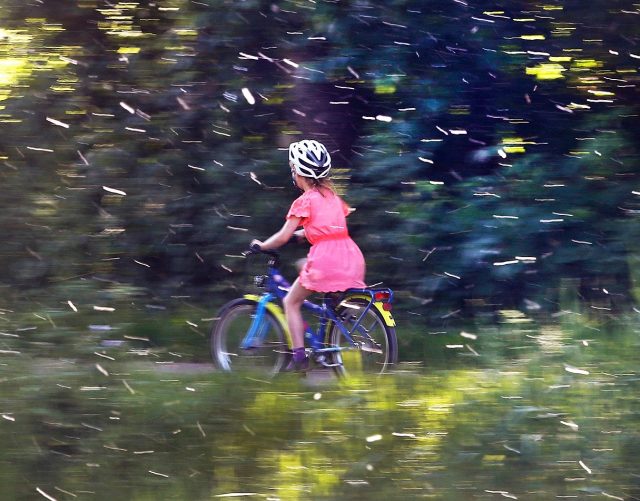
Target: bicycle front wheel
<point x="375" y="347"/>
<point x="267" y="351"/>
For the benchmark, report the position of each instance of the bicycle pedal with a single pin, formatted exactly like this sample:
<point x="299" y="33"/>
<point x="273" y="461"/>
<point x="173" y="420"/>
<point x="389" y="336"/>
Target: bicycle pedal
<point x="321" y="361"/>
<point x="329" y="366"/>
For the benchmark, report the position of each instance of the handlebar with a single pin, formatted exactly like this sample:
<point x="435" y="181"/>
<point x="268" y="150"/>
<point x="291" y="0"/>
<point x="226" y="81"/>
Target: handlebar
<point x="255" y="249"/>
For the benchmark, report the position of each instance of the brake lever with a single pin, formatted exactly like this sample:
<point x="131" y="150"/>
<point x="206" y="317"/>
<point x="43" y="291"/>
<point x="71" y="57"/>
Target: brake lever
<point x="254" y="249"/>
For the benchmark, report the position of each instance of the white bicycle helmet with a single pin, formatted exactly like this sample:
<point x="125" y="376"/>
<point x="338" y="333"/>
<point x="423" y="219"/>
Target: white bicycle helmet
<point x="310" y="159"/>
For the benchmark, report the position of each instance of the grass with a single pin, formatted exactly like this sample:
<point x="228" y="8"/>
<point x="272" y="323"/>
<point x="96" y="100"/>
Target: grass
<point x="535" y="414"/>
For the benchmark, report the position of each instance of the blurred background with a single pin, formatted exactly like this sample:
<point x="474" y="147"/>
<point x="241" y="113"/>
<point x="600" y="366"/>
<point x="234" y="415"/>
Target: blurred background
<point x="490" y="150"/>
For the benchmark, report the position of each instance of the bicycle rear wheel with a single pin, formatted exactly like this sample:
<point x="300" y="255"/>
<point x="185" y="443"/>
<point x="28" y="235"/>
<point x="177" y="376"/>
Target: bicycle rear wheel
<point x="376" y="347"/>
<point x="268" y="352"/>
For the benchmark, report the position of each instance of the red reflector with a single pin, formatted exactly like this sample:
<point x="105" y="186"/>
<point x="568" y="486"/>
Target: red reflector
<point x="381" y="296"/>
<point x="386" y="306"/>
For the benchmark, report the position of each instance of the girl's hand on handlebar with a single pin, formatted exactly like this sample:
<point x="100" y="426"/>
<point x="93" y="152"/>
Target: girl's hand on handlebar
<point x="256" y="247"/>
<point x="256" y="244"/>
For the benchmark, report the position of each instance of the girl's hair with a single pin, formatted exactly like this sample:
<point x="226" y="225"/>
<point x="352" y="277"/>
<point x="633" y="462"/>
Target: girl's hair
<point x="323" y="182"/>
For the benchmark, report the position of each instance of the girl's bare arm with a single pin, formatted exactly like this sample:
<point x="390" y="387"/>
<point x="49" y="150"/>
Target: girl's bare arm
<point x="281" y="237"/>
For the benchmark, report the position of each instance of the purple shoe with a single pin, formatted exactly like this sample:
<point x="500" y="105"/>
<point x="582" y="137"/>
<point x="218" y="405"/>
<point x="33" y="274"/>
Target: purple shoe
<point x="297" y="366"/>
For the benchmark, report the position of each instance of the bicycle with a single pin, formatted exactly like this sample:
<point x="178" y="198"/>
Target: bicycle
<point x="355" y="330"/>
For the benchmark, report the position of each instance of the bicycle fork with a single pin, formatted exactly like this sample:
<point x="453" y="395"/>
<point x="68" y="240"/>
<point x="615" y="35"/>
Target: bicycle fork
<point x="258" y="329"/>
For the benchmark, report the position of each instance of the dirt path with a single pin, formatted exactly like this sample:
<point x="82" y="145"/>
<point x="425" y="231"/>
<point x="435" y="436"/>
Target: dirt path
<point x="191" y="368"/>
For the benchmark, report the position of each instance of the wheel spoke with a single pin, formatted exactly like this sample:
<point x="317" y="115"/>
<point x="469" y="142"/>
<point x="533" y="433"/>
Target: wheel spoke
<point x="375" y="344"/>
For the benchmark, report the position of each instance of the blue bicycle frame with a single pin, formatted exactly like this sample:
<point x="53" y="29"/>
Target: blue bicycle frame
<point x="277" y="287"/>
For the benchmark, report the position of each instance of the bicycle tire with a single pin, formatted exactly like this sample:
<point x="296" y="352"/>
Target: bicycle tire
<point x="377" y="350"/>
<point x="230" y="329"/>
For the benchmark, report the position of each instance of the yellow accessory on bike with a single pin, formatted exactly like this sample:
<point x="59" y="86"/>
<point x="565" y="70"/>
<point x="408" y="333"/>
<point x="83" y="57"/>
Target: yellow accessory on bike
<point x="386" y="315"/>
<point x="277" y="312"/>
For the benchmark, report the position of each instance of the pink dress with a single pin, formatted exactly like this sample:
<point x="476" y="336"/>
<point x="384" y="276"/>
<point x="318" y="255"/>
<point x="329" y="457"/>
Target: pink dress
<point x="334" y="262"/>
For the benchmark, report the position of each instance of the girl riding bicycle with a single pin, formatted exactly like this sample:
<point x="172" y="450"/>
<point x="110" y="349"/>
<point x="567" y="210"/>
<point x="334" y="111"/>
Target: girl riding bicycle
<point x="334" y="262"/>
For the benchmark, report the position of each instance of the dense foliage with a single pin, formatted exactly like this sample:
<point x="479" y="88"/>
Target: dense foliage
<point x="490" y="150"/>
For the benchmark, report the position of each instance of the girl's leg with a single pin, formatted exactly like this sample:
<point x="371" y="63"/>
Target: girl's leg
<point x="300" y="264"/>
<point x="293" y="311"/>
